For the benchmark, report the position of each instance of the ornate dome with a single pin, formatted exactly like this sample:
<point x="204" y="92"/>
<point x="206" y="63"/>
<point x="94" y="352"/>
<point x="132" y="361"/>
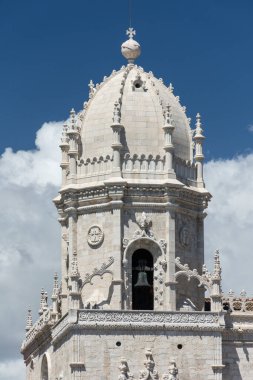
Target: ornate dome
<point x="142" y="101"/>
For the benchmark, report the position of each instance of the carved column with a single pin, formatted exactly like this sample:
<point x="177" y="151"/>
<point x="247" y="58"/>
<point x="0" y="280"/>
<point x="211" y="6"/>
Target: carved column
<point x="72" y="235"/>
<point x="170" y="283"/>
<point x="64" y="264"/>
<point x="73" y="135"/>
<point x="74" y="293"/>
<point x="168" y="146"/>
<point x="64" y="145"/>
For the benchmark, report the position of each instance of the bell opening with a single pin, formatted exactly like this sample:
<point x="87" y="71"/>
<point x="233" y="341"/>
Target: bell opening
<point x="142" y="280"/>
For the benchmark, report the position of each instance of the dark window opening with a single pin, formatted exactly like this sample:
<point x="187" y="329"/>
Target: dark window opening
<point x="207" y="304"/>
<point x="44" y="368"/>
<point x="142" y="280"/>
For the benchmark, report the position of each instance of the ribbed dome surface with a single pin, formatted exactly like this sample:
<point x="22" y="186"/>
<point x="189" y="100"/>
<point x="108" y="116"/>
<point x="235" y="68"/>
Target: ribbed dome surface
<point x="143" y="99"/>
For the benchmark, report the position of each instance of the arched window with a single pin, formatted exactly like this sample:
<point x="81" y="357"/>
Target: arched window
<point x="44" y="369"/>
<point x="142" y="280"/>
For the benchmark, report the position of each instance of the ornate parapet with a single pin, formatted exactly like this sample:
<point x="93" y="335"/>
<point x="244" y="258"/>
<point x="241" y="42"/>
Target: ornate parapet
<point x="238" y="303"/>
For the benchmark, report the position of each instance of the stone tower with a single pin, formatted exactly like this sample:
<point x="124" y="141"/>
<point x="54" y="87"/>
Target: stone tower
<point x="132" y="205"/>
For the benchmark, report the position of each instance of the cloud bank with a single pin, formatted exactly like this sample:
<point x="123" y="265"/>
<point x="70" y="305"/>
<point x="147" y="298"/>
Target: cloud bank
<point x="229" y="224"/>
<point x="29" y="241"/>
<point x="30" y="233"/>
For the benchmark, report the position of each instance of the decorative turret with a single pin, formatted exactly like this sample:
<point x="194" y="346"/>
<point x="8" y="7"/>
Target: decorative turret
<point x="29" y="322"/>
<point x="116" y="145"/>
<point x="168" y="146"/>
<point x="64" y="145"/>
<point x="199" y="157"/>
<point x="54" y="298"/>
<point x="74" y="284"/>
<point x="73" y="135"/>
<point x="43" y="302"/>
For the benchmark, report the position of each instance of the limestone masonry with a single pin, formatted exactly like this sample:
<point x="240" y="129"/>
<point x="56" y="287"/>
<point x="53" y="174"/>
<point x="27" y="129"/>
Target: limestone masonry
<point x="131" y="301"/>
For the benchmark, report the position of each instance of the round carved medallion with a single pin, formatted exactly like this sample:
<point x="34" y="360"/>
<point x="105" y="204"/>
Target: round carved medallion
<point x="95" y="236"/>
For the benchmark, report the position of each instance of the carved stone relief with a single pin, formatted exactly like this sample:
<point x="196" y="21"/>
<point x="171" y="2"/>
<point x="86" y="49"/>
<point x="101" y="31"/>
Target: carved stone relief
<point x="95" y="236"/>
<point x="186" y="232"/>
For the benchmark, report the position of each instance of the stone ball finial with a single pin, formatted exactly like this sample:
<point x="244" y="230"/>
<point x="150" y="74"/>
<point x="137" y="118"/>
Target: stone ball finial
<point x="130" y="49"/>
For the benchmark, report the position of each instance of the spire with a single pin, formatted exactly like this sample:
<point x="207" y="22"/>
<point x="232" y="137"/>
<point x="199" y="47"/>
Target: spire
<point x="29" y="322"/>
<point x="131" y="49"/>
<point x="198" y="130"/>
<point x="199" y="157"/>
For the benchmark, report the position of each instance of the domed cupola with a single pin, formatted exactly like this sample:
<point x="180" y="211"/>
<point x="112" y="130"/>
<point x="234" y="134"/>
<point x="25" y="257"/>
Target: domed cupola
<point x="142" y="146"/>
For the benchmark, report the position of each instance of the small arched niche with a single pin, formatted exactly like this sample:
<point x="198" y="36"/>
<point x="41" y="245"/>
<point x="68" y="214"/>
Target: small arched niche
<point x="142" y="280"/>
<point x="44" y="369"/>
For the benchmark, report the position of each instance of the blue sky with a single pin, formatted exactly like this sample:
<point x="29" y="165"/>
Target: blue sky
<point x="49" y="50"/>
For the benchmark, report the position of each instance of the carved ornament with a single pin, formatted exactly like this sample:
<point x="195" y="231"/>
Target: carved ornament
<point x="95" y="236"/>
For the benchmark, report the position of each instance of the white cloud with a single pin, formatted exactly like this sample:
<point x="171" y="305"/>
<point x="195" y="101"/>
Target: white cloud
<point x="29" y="242"/>
<point x="30" y="233"/>
<point x="229" y="223"/>
<point x="11" y="370"/>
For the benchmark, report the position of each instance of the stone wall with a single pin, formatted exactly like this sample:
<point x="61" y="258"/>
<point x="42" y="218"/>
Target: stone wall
<point x="96" y="355"/>
<point x="238" y="358"/>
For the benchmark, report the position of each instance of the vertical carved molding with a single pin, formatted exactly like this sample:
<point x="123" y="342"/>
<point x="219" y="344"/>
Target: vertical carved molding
<point x="170" y="283"/>
<point x="218" y="366"/>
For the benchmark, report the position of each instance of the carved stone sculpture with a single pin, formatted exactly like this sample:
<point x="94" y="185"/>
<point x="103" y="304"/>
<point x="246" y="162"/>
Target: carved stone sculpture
<point x="172" y="372"/>
<point x="149" y="373"/>
<point x="124" y="370"/>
